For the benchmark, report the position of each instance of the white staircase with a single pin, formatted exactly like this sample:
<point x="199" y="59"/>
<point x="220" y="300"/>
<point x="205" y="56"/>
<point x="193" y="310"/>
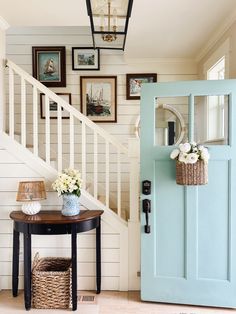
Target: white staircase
<point x="110" y="171"/>
<point x="103" y="161"/>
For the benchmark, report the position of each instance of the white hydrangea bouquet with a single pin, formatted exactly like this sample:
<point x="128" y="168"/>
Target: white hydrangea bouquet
<point x="190" y="153"/>
<point x="191" y="164"/>
<point x="68" y="182"/>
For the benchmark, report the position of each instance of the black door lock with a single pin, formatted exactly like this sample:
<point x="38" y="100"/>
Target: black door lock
<point x="147" y="210"/>
<point x="146" y="187"/>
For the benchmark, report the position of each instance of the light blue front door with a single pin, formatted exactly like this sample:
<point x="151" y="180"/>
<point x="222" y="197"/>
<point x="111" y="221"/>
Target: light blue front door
<point x="189" y="256"/>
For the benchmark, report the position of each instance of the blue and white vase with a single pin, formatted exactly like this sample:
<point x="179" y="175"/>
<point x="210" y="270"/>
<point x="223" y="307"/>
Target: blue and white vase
<point x="70" y="205"/>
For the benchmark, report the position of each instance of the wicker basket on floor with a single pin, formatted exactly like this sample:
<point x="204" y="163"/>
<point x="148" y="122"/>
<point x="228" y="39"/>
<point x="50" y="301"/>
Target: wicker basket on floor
<point x="51" y="281"/>
<point x="192" y="174"/>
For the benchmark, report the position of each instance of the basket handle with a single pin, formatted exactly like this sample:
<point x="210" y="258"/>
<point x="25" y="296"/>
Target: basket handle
<point x="36" y="259"/>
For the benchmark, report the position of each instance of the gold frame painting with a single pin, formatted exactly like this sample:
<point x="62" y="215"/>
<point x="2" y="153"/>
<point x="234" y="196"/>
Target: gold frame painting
<point x="98" y="95"/>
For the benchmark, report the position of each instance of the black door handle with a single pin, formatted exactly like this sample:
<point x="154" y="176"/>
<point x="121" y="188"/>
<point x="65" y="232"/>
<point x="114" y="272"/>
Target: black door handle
<point x="147" y="210"/>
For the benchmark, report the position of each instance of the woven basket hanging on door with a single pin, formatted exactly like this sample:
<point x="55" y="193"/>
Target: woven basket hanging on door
<point x="192" y="174"/>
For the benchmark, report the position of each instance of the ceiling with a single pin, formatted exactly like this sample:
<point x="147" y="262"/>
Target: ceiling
<point x="157" y="28"/>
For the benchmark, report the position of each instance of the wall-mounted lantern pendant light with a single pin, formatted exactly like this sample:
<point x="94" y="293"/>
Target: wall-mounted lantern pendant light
<point x="109" y="21"/>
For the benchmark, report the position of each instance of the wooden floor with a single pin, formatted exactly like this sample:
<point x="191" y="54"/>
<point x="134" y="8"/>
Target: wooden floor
<point x="110" y="302"/>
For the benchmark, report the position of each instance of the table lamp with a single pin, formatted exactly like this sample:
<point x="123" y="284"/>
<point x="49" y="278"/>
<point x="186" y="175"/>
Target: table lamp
<point x="31" y="192"/>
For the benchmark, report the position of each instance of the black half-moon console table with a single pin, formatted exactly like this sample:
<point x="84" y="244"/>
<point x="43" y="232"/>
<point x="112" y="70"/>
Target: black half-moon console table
<point x="52" y="222"/>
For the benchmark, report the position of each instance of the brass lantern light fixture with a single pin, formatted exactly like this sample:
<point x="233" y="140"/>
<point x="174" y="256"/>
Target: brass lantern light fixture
<point x="109" y="21"/>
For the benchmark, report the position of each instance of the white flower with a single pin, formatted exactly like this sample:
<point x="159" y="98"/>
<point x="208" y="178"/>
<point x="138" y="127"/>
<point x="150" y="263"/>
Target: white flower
<point x="205" y="155"/>
<point x="205" y="150"/>
<point x="185" y="148"/>
<point x="190" y="153"/>
<point x="192" y="158"/>
<point x="175" y="153"/>
<point x="183" y="157"/>
<point x="68" y="181"/>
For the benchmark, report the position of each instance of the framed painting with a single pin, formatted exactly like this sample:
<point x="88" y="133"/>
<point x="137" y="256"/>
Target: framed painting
<point x="98" y="95"/>
<point x="134" y="82"/>
<point x="53" y="106"/>
<point x="85" y="59"/>
<point x="49" y="65"/>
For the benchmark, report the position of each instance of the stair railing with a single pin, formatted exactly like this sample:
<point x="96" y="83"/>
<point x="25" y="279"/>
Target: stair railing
<point x="76" y="120"/>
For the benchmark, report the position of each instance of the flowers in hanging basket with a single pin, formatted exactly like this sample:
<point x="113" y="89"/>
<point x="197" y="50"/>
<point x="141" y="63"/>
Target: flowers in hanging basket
<point x="190" y="153"/>
<point x="68" y="182"/>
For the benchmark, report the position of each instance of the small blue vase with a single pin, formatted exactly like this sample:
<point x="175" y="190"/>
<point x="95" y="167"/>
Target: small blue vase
<point x="70" y="205"/>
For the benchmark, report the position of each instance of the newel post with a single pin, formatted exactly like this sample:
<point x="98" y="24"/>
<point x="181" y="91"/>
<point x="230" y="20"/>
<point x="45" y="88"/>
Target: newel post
<point x="134" y="223"/>
<point x="3" y="27"/>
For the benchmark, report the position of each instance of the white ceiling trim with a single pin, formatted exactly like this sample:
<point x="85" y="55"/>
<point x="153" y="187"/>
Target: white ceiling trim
<point x="3" y="24"/>
<point x="217" y="35"/>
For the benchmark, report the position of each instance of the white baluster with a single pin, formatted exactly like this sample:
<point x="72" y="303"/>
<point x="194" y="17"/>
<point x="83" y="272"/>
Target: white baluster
<point x="72" y="141"/>
<point x="118" y="184"/>
<point x="107" y="173"/>
<point x="59" y="137"/>
<point x="11" y="103"/>
<point x="84" y="154"/>
<point x="134" y="153"/>
<point x="95" y="161"/>
<point x="35" y="120"/>
<point x="86" y="123"/>
<point x="47" y="129"/>
<point x="23" y="112"/>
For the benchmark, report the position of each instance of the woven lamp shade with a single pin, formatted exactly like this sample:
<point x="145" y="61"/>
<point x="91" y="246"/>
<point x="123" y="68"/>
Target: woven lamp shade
<point x="29" y="191"/>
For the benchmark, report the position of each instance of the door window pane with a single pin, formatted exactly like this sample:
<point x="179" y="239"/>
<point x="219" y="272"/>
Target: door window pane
<point x="171" y="121"/>
<point x="211" y="119"/>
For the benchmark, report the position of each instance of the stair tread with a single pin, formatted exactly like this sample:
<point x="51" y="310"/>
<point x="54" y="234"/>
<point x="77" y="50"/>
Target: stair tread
<point x="51" y="159"/>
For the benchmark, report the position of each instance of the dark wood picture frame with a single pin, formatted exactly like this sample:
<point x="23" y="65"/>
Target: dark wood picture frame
<point x="134" y="81"/>
<point x="98" y="98"/>
<point x="85" y="59"/>
<point x="49" y="65"/>
<point x="53" y="106"/>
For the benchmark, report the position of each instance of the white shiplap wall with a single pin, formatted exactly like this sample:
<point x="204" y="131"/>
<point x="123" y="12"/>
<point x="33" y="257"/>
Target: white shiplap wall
<point x="19" y="50"/>
<point x="19" y="47"/>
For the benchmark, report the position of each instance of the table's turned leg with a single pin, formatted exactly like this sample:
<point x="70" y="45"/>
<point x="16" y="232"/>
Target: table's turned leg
<point x="27" y="270"/>
<point x="74" y="266"/>
<point x="98" y="256"/>
<point x="15" y="263"/>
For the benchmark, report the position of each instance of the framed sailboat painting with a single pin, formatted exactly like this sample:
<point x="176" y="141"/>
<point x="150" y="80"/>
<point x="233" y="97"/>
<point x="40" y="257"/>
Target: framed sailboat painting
<point x="98" y="95"/>
<point x="49" y="65"/>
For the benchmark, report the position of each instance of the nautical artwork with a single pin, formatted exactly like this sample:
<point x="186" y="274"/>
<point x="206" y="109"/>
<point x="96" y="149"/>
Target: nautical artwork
<point x="53" y="106"/>
<point x="49" y="69"/>
<point x="49" y="65"/>
<point x="85" y="58"/>
<point x="98" y="98"/>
